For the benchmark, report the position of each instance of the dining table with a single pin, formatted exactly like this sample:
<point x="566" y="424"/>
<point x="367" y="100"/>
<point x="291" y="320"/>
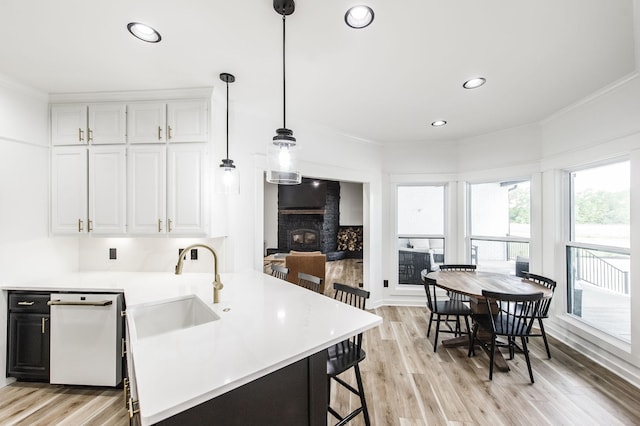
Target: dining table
<point x="471" y="284"/>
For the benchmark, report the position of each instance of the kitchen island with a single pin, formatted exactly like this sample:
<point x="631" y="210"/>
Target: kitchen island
<point x="265" y="326"/>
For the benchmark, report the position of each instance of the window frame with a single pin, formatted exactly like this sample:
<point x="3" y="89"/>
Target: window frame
<point x="446" y="187"/>
<point x="470" y="237"/>
<point x="570" y="243"/>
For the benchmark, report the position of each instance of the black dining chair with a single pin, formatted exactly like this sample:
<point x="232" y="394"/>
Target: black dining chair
<point x="545" y="304"/>
<point x="309" y="282"/>
<point x="346" y="355"/>
<point x="452" y="307"/>
<point x="279" y="271"/>
<point x="459" y="267"/>
<point x="512" y="317"/>
<point x="462" y="268"/>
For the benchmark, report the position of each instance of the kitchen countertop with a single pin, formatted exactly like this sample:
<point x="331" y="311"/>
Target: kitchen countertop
<point x="265" y="324"/>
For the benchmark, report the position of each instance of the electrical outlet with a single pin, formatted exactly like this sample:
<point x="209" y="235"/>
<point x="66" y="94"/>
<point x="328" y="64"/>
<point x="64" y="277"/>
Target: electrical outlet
<point x="385" y="283"/>
<point x="180" y="251"/>
<point x="194" y="254"/>
<point x="113" y="254"/>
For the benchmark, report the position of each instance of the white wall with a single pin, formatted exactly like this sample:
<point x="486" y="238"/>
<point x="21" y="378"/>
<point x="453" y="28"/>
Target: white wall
<point x="270" y="215"/>
<point x="148" y="254"/>
<point x="25" y="249"/>
<point x="351" y="209"/>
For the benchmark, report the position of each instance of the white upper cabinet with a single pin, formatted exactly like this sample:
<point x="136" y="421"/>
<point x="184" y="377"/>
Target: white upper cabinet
<point x="88" y="190"/>
<point x="134" y="165"/>
<point x="107" y="123"/>
<point x="81" y="124"/>
<point x="166" y="190"/>
<point x="186" y="189"/>
<point x="173" y="121"/>
<point x="187" y="121"/>
<point x="147" y="122"/>
<point x="146" y="194"/>
<point x="69" y="190"/>
<point x="107" y="190"/>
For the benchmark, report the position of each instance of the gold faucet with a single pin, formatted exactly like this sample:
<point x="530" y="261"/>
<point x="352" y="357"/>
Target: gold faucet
<point x="217" y="284"/>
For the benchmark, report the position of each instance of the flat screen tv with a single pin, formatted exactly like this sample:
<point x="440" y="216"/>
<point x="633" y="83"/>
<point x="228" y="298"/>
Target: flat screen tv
<point x="307" y="195"/>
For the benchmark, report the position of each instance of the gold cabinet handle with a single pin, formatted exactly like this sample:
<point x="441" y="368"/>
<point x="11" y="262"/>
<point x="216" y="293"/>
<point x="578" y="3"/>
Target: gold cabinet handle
<point x="123" y="347"/>
<point x="169" y="133"/>
<point x="80" y="135"/>
<point x="80" y="225"/>
<point x="159" y="225"/>
<point x="169" y="225"/>
<point x="25" y="303"/>
<point x="90" y="226"/>
<point x="159" y="133"/>
<point x="90" y="135"/>
<point x="125" y="389"/>
<point x="132" y="412"/>
<point x="44" y="320"/>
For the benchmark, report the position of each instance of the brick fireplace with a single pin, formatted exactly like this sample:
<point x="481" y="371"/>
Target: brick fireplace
<point x="310" y="228"/>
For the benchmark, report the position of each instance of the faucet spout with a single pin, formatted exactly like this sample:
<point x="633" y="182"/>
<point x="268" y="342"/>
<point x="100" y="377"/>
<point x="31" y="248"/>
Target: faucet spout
<point x="217" y="284"/>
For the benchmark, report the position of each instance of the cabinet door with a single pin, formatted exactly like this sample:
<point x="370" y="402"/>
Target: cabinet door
<point x="68" y="124"/>
<point x="146" y="189"/>
<point x="146" y="122"/>
<point x="107" y="190"/>
<point x="187" y="121"/>
<point x="69" y="190"/>
<point x="28" y="346"/>
<point x="107" y="123"/>
<point x="186" y="189"/>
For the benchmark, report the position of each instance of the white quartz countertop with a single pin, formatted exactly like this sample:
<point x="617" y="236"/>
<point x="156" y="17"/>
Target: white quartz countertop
<point x="265" y="324"/>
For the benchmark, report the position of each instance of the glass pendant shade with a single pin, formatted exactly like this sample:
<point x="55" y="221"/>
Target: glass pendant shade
<point x="227" y="178"/>
<point x="282" y="166"/>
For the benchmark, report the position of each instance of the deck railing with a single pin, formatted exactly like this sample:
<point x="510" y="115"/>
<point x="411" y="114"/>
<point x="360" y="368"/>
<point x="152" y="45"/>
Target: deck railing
<point x="597" y="271"/>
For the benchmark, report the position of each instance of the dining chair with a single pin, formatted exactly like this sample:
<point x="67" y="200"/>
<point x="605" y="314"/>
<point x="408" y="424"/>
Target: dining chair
<point x="309" y="282"/>
<point x="545" y="304"/>
<point x="512" y="317"/>
<point x="460" y="267"/>
<point x="346" y="355"/>
<point x="279" y="271"/>
<point x="453" y="307"/>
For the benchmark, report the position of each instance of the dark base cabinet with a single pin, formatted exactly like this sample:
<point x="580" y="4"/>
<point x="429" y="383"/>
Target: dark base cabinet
<point x="294" y="395"/>
<point x="28" y="336"/>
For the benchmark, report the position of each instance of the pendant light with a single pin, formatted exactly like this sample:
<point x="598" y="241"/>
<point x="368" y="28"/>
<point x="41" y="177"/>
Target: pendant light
<point x="281" y="164"/>
<point x="227" y="177"/>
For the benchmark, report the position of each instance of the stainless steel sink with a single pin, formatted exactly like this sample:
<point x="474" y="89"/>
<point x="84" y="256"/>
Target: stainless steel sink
<point x="162" y="317"/>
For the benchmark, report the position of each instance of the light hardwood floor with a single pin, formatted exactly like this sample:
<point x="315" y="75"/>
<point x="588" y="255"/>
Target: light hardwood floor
<point x="407" y="384"/>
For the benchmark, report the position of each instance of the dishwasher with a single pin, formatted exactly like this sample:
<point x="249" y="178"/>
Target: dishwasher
<point x="86" y="339"/>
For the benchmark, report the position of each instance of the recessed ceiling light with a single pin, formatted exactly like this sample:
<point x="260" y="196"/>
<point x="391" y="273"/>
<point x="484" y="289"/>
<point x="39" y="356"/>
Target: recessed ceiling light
<point x="359" y="16"/>
<point x="474" y="83"/>
<point x="438" y="123"/>
<point x="144" y="32"/>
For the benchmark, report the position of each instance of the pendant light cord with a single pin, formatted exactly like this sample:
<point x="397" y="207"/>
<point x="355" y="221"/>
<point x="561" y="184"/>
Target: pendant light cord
<point x="227" y="120"/>
<point x="284" y="81"/>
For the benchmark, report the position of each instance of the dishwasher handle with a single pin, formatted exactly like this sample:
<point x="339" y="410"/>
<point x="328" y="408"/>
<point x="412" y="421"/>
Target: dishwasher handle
<point x="59" y="302"/>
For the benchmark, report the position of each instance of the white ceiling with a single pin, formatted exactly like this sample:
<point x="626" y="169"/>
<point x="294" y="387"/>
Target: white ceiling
<point x="385" y="83"/>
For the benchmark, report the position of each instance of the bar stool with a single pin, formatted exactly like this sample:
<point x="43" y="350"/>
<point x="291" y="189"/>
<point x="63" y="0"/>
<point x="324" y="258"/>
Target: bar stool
<point x="346" y="355"/>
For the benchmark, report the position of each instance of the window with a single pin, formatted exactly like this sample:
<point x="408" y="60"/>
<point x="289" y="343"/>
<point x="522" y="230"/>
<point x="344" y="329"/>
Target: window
<point x="500" y="226"/>
<point x="420" y="230"/>
<point x="598" y="261"/>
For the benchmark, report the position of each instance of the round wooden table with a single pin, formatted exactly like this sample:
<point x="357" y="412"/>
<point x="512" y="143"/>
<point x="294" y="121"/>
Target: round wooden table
<point x="471" y="284"/>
